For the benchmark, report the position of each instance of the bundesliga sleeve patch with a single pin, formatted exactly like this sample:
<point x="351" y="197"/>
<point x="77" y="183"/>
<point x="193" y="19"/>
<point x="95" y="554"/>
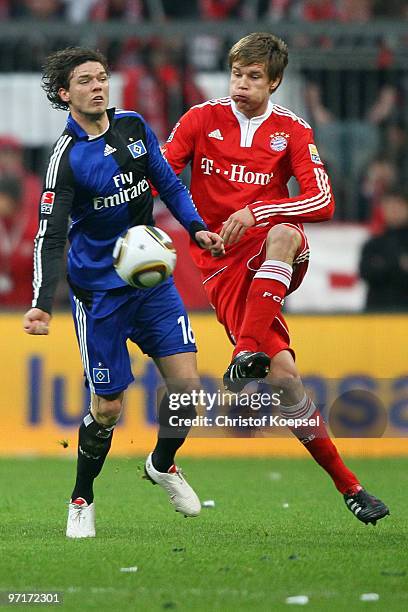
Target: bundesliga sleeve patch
<point x="47" y="202"/>
<point x="314" y="154"/>
<point x="170" y="138"/>
<point x="137" y="149"/>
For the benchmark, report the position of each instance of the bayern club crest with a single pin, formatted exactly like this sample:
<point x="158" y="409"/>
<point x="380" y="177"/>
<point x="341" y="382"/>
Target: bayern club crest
<point x="279" y="141"/>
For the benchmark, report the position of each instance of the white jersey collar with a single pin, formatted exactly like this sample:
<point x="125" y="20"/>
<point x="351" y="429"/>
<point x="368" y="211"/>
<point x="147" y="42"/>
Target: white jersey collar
<point x="249" y="126"/>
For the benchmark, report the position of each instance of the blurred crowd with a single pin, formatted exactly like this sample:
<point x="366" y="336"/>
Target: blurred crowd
<point x="360" y="119"/>
<point x="359" y="115"/>
<point x="271" y="10"/>
<point x="384" y="258"/>
<point x="20" y="191"/>
<point x="204" y="51"/>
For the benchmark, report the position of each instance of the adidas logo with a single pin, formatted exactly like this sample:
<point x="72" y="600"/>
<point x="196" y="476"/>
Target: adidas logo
<point x="108" y="150"/>
<point x="216" y="134"/>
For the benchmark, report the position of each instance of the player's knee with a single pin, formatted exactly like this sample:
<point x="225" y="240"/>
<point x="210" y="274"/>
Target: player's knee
<point x="283" y="238"/>
<point x="107" y="409"/>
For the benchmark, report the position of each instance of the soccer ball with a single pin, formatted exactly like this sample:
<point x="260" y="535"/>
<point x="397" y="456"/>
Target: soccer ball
<point x="144" y="256"/>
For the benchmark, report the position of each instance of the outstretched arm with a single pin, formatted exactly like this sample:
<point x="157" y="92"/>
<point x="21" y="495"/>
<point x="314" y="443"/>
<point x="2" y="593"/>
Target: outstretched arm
<point x="54" y="209"/>
<point x="178" y="200"/>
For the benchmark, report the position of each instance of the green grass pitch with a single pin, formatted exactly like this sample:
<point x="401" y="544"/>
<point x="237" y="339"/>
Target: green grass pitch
<point x="278" y="529"/>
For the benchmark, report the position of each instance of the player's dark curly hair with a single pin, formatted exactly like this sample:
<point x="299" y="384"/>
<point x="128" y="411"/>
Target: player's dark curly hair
<point x="261" y="48"/>
<point x="58" y="68"/>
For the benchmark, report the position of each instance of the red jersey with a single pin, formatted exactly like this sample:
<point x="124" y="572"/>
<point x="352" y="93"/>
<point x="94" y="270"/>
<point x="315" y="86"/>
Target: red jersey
<point x="238" y="162"/>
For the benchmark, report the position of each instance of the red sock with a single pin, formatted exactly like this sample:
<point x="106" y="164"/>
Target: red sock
<point x="316" y="440"/>
<point x="265" y="298"/>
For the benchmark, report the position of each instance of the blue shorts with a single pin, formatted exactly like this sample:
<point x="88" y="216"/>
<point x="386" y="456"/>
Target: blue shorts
<point x="154" y="319"/>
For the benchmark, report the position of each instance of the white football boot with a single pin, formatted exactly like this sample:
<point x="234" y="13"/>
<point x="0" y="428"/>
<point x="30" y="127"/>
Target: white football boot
<point x="182" y="496"/>
<point x="81" y="519"/>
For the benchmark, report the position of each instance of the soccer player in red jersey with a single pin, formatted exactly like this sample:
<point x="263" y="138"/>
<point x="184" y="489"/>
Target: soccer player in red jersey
<point x="243" y="150"/>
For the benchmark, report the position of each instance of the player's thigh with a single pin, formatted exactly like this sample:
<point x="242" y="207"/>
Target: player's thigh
<point x="102" y="344"/>
<point x="161" y="326"/>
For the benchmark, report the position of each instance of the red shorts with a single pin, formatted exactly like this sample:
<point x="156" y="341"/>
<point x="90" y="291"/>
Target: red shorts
<point x="228" y="286"/>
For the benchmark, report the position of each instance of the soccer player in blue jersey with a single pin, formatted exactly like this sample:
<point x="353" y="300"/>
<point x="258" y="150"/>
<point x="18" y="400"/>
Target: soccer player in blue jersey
<point x="97" y="182"/>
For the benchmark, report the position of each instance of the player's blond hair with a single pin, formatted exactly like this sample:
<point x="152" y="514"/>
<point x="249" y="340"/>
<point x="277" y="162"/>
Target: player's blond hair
<point x="261" y="48"/>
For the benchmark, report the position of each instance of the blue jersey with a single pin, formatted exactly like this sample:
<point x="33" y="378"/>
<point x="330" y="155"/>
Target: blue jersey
<point x="102" y="185"/>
